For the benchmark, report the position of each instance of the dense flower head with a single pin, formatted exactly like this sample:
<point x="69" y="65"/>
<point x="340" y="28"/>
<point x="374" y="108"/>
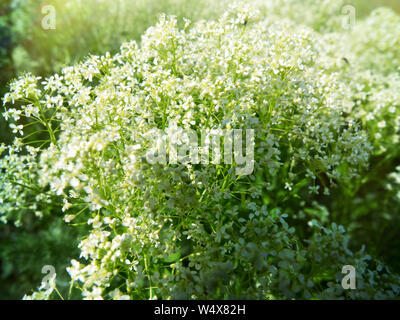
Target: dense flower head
<point x="193" y="230"/>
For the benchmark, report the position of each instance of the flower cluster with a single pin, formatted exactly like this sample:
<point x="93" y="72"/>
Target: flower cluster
<point x="185" y="230"/>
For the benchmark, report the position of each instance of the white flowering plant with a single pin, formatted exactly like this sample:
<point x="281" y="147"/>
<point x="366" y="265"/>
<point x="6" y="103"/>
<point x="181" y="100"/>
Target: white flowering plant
<point x="198" y="230"/>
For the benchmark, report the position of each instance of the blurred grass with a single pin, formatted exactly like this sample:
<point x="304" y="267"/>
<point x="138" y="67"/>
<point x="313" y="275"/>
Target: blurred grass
<point x="366" y="6"/>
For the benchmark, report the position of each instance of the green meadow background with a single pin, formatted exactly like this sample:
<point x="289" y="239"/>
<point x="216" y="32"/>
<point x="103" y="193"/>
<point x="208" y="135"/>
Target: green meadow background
<point x="83" y="28"/>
